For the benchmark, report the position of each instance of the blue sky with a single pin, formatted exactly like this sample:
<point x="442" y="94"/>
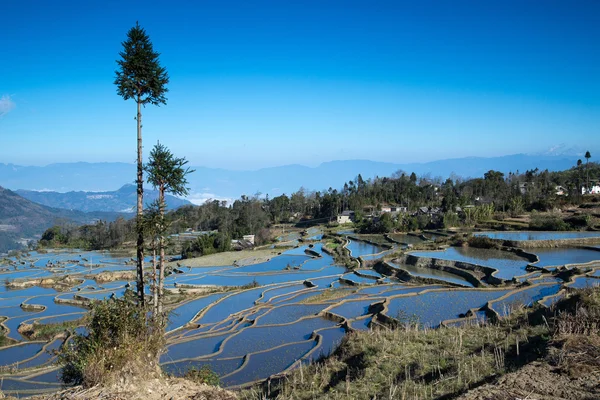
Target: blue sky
<point x="256" y="84"/>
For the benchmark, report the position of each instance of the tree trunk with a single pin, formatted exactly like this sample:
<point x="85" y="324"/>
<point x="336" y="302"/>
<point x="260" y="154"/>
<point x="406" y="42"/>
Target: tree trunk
<point x="161" y="199"/>
<point x="140" y="208"/>
<point x="587" y="174"/>
<point x="154" y="285"/>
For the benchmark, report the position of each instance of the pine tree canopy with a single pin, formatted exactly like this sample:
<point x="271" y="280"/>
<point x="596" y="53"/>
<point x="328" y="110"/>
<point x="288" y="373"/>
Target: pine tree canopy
<point x="167" y="171"/>
<point x="140" y="76"/>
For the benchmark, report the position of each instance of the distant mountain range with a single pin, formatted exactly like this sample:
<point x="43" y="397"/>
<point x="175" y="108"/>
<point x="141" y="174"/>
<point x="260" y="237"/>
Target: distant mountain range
<point x="217" y="183"/>
<point x="122" y="200"/>
<point x="22" y="218"/>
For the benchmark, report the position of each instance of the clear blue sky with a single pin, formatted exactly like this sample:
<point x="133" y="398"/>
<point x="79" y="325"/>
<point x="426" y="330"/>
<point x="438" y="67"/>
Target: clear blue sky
<point x="257" y="84"/>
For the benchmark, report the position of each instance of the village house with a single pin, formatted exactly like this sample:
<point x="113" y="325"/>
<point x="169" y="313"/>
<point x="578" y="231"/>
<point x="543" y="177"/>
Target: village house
<point x="594" y="189"/>
<point x="345" y="217"/>
<point x="387" y="208"/>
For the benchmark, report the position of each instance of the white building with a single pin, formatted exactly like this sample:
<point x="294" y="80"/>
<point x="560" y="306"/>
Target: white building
<point x="594" y="189"/>
<point x="345" y="217"/>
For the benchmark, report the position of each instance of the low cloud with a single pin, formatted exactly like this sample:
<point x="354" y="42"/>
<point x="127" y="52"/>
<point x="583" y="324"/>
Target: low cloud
<point x="6" y="105"/>
<point x="201" y="198"/>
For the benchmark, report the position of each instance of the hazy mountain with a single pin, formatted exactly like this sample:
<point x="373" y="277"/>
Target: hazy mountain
<point x="21" y="218"/>
<point x="221" y="183"/>
<point x="122" y="200"/>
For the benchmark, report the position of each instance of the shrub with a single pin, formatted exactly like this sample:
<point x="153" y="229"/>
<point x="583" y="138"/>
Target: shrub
<point x="482" y="242"/>
<point x="2" y="338"/>
<point x="548" y="222"/>
<point x="202" y="375"/>
<point x="122" y="340"/>
<point x="580" y="221"/>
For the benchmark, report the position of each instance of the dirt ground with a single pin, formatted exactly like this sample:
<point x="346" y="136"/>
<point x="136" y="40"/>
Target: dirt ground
<point x="175" y="389"/>
<point x="537" y="381"/>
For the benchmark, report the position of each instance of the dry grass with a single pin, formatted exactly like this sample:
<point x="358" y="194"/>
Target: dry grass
<point x="577" y="335"/>
<point x="408" y="363"/>
<point x="244" y="257"/>
<point x="326" y="295"/>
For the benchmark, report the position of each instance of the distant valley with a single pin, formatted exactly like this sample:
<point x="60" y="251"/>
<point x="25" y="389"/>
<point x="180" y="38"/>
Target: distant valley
<point x="122" y="200"/>
<point x="22" y="218"/>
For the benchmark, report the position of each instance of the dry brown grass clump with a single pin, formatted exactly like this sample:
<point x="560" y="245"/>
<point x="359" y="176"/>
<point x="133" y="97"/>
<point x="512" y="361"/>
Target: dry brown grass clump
<point x="577" y="335"/>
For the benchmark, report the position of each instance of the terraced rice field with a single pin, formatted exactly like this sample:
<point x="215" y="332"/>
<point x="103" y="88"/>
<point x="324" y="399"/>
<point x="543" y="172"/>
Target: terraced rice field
<point x="244" y="335"/>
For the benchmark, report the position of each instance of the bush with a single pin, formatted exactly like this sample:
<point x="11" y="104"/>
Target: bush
<point x="205" y="245"/>
<point x="2" y="338"/>
<point x="580" y="221"/>
<point x="121" y="341"/>
<point x="482" y="242"/>
<point x="548" y="222"/>
<point x="202" y="375"/>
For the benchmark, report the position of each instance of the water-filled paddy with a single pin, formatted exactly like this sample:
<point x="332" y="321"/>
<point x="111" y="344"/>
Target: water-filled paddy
<point x="183" y="314"/>
<point x="582" y="282"/>
<point x="406" y="239"/>
<point x="262" y="338"/>
<point x="358" y="248"/>
<point x="331" y="338"/>
<point x="230" y="305"/>
<point x="195" y="348"/>
<point x="14" y="354"/>
<point x="219" y="367"/>
<point x="431" y="308"/>
<point x="508" y="264"/>
<point x="562" y="256"/>
<point x="523" y="298"/>
<point x="262" y="365"/>
<point x="359" y="280"/>
<point x="535" y="235"/>
<point x="431" y="273"/>
<point x="354" y="308"/>
<point x="289" y="313"/>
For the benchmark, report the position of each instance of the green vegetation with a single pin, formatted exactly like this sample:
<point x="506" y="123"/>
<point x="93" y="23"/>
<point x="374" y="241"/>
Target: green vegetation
<point x="328" y="294"/>
<point x="122" y="341"/>
<point x="492" y="201"/>
<point x="332" y="245"/>
<point x="39" y="331"/>
<point x="205" y="245"/>
<point x="3" y="340"/>
<point x="548" y="222"/>
<point x="202" y="375"/>
<point x="167" y="174"/>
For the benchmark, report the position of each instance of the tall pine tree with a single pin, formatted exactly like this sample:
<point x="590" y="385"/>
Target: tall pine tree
<point x="140" y="77"/>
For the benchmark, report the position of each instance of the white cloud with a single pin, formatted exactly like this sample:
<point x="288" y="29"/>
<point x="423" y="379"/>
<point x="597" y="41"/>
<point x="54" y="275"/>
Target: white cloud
<point x="6" y="105"/>
<point x="201" y="198"/>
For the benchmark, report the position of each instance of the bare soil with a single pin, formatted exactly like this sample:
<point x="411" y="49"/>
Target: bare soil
<point x="156" y="389"/>
<point x="537" y="381"/>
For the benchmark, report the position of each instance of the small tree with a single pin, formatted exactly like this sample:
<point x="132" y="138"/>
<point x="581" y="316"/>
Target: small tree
<point x="167" y="174"/>
<point x="140" y="77"/>
<point x="587" y="170"/>
<point x="154" y="228"/>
